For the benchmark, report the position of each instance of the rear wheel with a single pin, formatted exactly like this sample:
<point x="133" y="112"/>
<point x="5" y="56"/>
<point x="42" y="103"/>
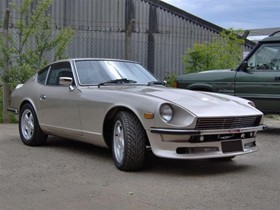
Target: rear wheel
<point x="29" y="129"/>
<point x="129" y="142"/>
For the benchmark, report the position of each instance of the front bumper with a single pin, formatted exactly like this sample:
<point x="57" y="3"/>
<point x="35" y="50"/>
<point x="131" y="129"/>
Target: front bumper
<point x="206" y="132"/>
<point x="177" y="144"/>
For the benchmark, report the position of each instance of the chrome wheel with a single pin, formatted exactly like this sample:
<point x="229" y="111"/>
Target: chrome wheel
<point x="29" y="128"/>
<point x="27" y="124"/>
<point x="118" y="139"/>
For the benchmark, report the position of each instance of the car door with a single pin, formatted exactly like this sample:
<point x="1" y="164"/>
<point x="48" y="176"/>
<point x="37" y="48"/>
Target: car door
<point x="261" y="81"/>
<point x="59" y="105"/>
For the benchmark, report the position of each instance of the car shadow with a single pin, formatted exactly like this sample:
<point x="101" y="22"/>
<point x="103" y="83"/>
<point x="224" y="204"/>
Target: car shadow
<point x="271" y="130"/>
<point x="204" y="167"/>
<point x="77" y="147"/>
<point x="153" y="164"/>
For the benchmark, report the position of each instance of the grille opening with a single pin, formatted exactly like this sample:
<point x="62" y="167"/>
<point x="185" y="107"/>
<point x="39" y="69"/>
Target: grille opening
<point x="212" y="138"/>
<point x="194" y="150"/>
<point x="250" y="144"/>
<point x="227" y="123"/>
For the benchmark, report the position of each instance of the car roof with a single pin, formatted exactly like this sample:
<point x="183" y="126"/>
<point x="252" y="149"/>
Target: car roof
<point x="95" y="59"/>
<point x="274" y="37"/>
<point x="86" y="59"/>
<point x="271" y="39"/>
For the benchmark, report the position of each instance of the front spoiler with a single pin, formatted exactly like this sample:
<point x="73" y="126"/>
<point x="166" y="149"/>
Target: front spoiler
<point x="170" y="131"/>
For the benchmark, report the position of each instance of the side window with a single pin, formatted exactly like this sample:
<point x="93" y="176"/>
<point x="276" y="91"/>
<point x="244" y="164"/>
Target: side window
<point x="59" y="70"/>
<point x="42" y="75"/>
<point x="267" y="57"/>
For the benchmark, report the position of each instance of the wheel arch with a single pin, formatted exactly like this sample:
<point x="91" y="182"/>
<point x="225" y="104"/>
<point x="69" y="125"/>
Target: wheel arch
<point x="27" y="101"/>
<point x="108" y="123"/>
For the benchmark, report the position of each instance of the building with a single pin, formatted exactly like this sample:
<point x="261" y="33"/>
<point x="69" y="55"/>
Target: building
<point x="259" y="34"/>
<point x="151" y="32"/>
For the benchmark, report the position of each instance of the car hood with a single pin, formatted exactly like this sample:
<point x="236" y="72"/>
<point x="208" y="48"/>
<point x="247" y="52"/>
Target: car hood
<point x="211" y="75"/>
<point x="202" y="104"/>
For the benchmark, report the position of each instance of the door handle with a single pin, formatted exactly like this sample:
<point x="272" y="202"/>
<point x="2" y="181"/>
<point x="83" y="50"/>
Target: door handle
<point x="43" y="97"/>
<point x="277" y="78"/>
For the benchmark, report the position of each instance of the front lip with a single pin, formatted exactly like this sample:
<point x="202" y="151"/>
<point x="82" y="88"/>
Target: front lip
<point x="170" y="131"/>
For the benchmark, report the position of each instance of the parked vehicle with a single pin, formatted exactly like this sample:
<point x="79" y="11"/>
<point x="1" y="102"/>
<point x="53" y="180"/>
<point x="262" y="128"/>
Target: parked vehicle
<point x="257" y="78"/>
<point x="119" y="105"/>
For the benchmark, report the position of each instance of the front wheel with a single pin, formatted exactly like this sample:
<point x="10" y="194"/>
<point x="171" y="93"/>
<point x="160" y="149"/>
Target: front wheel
<point x="29" y="129"/>
<point x="129" y="142"/>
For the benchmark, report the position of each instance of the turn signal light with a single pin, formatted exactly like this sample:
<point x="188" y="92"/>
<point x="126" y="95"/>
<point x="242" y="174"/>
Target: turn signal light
<point x="149" y="115"/>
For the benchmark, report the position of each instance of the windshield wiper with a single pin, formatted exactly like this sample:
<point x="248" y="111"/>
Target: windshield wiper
<point x="116" y="81"/>
<point x="156" y="83"/>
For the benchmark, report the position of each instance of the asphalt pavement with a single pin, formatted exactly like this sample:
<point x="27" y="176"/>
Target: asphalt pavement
<point x="65" y="174"/>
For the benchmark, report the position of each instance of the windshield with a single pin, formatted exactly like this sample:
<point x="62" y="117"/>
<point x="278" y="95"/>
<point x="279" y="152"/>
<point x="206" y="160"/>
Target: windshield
<point x="94" y="72"/>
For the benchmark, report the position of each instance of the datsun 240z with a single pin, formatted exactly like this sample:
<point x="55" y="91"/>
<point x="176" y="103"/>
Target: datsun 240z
<point x="119" y="105"/>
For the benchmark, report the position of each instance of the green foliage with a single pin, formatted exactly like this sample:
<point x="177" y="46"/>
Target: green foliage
<point x="170" y="80"/>
<point x="31" y="43"/>
<point x="223" y="52"/>
<point x="11" y="116"/>
<point x="36" y="39"/>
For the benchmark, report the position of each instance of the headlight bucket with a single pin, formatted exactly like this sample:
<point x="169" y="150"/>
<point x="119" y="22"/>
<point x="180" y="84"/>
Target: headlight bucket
<point x="252" y="104"/>
<point x="166" y="112"/>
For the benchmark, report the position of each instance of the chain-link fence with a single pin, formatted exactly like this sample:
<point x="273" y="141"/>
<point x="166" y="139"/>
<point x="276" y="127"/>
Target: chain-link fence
<point x="158" y="37"/>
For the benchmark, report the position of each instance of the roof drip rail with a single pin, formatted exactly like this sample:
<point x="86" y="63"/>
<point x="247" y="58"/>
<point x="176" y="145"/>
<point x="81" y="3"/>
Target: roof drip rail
<point x="276" y="32"/>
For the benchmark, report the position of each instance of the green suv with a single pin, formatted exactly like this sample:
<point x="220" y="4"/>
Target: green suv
<point x="257" y="78"/>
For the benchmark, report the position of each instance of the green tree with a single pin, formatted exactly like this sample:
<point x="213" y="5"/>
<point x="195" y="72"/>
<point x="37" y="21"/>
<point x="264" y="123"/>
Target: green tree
<point x="223" y="52"/>
<point x="33" y="42"/>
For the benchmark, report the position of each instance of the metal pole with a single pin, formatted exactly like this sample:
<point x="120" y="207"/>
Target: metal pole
<point x="6" y="89"/>
<point x="128" y="49"/>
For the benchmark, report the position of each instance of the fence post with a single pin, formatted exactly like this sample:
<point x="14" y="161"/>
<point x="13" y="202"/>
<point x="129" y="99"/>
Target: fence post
<point x="128" y="49"/>
<point x="6" y="89"/>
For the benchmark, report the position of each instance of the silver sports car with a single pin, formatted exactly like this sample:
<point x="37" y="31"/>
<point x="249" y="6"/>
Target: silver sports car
<point x="118" y="104"/>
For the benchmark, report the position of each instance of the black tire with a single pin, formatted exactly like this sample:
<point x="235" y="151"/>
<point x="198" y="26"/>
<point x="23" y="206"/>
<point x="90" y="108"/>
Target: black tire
<point x="29" y="129"/>
<point x="128" y="142"/>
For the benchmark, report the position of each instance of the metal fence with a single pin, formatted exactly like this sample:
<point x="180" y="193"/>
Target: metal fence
<point x="148" y="31"/>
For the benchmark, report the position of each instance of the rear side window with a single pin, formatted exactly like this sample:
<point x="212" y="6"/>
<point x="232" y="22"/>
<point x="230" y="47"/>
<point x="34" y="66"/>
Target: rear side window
<point x="42" y="75"/>
<point x="58" y="70"/>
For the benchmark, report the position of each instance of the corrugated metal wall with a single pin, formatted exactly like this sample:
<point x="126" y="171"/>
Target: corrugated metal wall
<point x="160" y="35"/>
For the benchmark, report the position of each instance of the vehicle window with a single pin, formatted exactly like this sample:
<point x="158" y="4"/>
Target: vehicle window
<point x="94" y="72"/>
<point x="59" y="70"/>
<point x="267" y="57"/>
<point x="91" y="72"/>
<point x="42" y="75"/>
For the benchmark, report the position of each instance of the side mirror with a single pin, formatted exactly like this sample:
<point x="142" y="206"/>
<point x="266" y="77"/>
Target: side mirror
<point x="65" y="81"/>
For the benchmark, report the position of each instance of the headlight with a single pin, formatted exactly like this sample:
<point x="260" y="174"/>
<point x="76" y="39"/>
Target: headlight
<point x="166" y="112"/>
